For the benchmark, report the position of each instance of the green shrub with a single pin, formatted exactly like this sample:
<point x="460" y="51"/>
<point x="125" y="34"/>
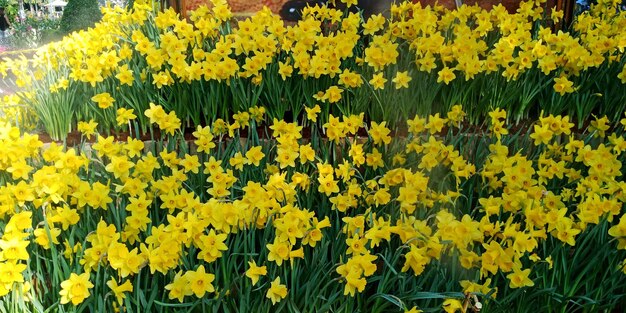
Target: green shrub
<point x="10" y="8"/>
<point x="51" y="35"/>
<point x="79" y="14"/>
<point x="34" y="32"/>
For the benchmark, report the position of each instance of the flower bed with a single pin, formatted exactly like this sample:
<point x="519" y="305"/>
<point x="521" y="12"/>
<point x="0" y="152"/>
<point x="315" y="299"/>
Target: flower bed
<point x="307" y="183"/>
<point x="436" y="220"/>
<point x="420" y="61"/>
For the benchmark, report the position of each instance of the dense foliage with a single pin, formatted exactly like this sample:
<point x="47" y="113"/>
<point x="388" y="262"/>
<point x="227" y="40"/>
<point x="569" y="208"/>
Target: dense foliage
<point x="80" y="15"/>
<point x="422" y="60"/>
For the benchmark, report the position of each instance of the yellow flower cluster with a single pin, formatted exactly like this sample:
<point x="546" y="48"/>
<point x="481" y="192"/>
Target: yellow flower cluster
<point x="376" y="196"/>
<point x="192" y="282"/>
<point x="13" y="111"/>
<point x="160" y="48"/>
<point x="167" y="122"/>
<point x="174" y="211"/>
<point x="14" y="255"/>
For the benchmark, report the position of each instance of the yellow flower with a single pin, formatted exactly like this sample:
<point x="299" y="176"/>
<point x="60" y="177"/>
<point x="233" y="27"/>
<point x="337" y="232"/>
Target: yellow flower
<point x="335" y="129"/>
<point x="435" y="123"/>
<point x="474" y="287"/>
<point x="190" y="163"/>
<point x="285" y="70"/>
<point x="87" y="128"/>
<point x="119" y="290"/>
<point x="452" y="306"/>
<point x="562" y="85"/>
<point x="200" y="281"/>
<point x="277" y="291"/>
<point x="416" y="125"/>
<point x="333" y="94"/>
<point x="497" y="114"/>
<point x="456" y="115"/>
<point x="278" y="252"/>
<point x="374" y="24"/>
<point x="556" y="15"/>
<point x="126" y="262"/>
<point x="222" y="11"/>
<point x="402" y="80"/>
<point x="378" y="81"/>
<point x="599" y="126"/>
<point x="257" y="113"/>
<point x="204" y="139"/>
<point x="286" y="157"/>
<point x="42" y="238"/>
<point x="350" y="79"/>
<point x="414" y="310"/>
<point x="416" y="259"/>
<point x="382" y="196"/>
<point x="446" y="75"/>
<point x="211" y="246"/>
<point x="427" y="63"/>
<point x="155" y="113"/>
<point x="320" y="96"/>
<point x="125" y="75"/>
<point x="242" y="118"/>
<point x="170" y="123"/>
<point x="237" y="161"/>
<point x="619" y="232"/>
<point x="133" y="147"/>
<point x="380" y="133"/>
<point x="20" y="169"/>
<point x="179" y="288"/>
<point x="541" y="135"/>
<point x="354" y="283"/>
<point x="498" y="129"/>
<point x="255" y="155"/>
<point x="65" y="216"/>
<point x="75" y="289"/>
<point x="356" y="245"/>
<point x="255" y="272"/>
<point x="161" y="79"/>
<point x="307" y="154"/>
<point x="22" y="192"/>
<point x="14" y="248"/>
<point x="11" y="272"/>
<point x="374" y="159"/>
<point x="327" y="185"/>
<point x="104" y="100"/>
<point x="293" y="254"/>
<point x="119" y="166"/>
<point x="124" y="116"/>
<point x="520" y="278"/>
